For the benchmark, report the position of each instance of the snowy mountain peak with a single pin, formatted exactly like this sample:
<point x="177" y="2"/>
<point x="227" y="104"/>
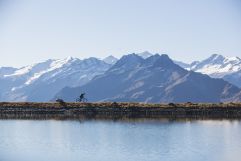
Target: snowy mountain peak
<point x="69" y="58"/>
<point x="161" y="62"/>
<point x="155" y="79"/>
<point x="145" y="54"/>
<point x="35" y="71"/>
<point x="219" y="59"/>
<point x="130" y="57"/>
<point x="110" y="59"/>
<point x="216" y="56"/>
<point x="127" y="62"/>
<point x="6" y="71"/>
<point x="214" y="59"/>
<point x="92" y="61"/>
<point x="165" y="57"/>
<point x="233" y="60"/>
<point x="159" y="58"/>
<point x="217" y="66"/>
<point x="194" y="63"/>
<point x="30" y="69"/>
<point x="40" y="81"/>
<point x="156" y="60"/>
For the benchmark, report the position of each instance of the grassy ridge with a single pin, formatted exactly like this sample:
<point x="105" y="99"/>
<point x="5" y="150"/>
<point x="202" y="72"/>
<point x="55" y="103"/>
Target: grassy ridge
<point x="119" y="105"/>
<point x="113" y="110"/>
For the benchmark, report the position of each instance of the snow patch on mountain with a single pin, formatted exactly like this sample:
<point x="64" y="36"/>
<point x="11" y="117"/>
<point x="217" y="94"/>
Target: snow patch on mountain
<point x="40" y="81"/>
<point x="218" y="66"/>
<point x="155" y="79"/>
<point x="6" y="71"/>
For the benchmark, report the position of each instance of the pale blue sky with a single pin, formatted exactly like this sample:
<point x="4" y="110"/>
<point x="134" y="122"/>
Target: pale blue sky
<point x="32" y="31"/>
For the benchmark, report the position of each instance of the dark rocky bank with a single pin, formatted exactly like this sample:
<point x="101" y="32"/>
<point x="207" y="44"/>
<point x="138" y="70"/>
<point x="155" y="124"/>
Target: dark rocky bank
<point x="28" y="110"/>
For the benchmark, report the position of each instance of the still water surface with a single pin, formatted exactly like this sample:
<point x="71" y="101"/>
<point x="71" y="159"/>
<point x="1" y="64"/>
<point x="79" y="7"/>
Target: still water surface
<point x="23" y="140"/>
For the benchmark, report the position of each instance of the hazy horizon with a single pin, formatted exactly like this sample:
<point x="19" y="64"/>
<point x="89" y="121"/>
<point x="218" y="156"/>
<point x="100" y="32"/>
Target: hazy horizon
<point x="33" y="31"/>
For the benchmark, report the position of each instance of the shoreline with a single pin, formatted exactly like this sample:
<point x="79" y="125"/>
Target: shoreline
<point x="113" y="110"/>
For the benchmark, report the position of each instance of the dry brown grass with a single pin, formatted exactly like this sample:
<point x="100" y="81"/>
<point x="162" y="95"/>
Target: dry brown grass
<point x="117" y="105"/>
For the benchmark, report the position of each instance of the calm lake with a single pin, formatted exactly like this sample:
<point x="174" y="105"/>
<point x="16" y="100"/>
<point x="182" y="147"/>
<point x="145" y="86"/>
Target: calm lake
<point x="140" y="140"/>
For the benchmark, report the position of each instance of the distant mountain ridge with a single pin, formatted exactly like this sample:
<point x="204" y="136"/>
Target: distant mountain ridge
<point x="218" y="66"/>
<point x="145" y="54"/>
<point x="110" y="60"/>
<point x="41" y="81"/>
<point x="6" y="71"/>
<point x="154" y="79"/>
<point x="143" y="77"/>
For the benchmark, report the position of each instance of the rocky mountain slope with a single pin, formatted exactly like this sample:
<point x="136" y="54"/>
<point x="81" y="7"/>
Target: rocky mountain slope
<point x="110" y="60"/>
<point x="218" y="66"/>
<point x="41" y="81"/>
<point x="154" y="79"/>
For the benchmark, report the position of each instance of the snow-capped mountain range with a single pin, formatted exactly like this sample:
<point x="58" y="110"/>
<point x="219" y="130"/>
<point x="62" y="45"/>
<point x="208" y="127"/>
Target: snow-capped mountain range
<point x="218" y="66"/>
<point x="41" y="81"/>
<point x="152" y="80"/>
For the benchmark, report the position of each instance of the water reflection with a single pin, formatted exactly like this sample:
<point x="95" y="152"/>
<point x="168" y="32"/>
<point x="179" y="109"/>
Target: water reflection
<point x="127" y="140"/>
